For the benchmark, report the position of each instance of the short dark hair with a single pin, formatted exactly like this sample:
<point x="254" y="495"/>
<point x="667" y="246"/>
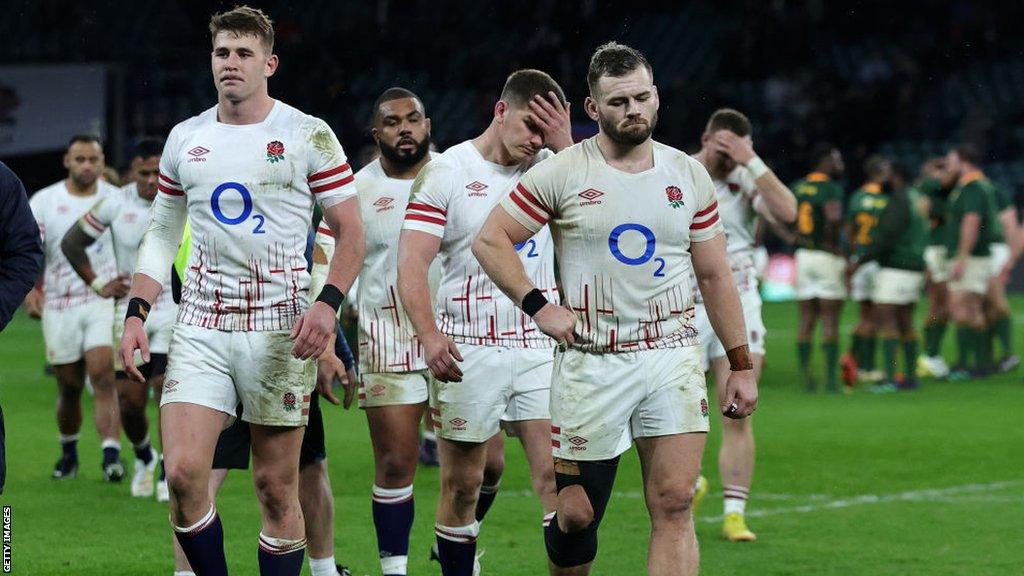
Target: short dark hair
<point x="875" y="165"/>
<point x="522" y="85"/>
<point x="85" y="138"/>
<point x="729" y="119"/>
<point x="393" y="93"/>
<point x="615" y="60"/>
<point x="969" y="152"/>
<point x="821" y="151"/>
<point x="148" y="147"/>
<point x="244" y="21"/>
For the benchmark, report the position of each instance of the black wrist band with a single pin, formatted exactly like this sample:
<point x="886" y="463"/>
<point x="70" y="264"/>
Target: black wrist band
<point x="331" y="296"/>
<point x="138" y="308"/>
<point x="533" y="302"/>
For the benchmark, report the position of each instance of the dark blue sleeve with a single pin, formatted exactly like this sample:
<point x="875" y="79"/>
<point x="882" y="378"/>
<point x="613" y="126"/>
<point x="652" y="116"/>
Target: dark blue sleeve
<point x="21" y="251"/>
<point x="341" y="349"/>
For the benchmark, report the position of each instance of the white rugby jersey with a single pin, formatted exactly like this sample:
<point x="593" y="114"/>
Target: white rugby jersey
<point x="451" y="199"/>
<point x="126" y="215"/>
<point x="249" y="192"/>
<point x="56" y="210"/>
<point x="622" y="242"/>
<point x="736" y="195"/>
<point x="387" y="341"/>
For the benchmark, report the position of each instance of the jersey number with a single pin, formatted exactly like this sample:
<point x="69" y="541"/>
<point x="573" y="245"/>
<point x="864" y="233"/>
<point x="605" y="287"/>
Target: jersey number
<point x="613" y="245"/>
<point x="532" y="252"/>
<point x="246" y="207"/>
<point x="865" y="223"/>
<point x="805" y="218"/>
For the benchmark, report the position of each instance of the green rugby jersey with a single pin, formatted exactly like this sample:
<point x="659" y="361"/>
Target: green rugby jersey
<point x="812" y="193"/>
<point x="865" y="206"/>
<point x="974" y="194"/>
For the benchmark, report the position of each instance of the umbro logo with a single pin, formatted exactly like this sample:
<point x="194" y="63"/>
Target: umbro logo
<point x="378" y="389"/>
<point x="197" y="154"/>
<point x="590" y="197"/>
<point x="577" y="444"/>
<point x="384" y="203"/>
<point x="458" y="423"/>
<point x="170" y="386"/>
<point x="476" y="188"/>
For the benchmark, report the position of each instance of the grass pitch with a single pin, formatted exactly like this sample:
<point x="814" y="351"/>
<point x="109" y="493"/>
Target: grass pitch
<point x="925" y="482"/>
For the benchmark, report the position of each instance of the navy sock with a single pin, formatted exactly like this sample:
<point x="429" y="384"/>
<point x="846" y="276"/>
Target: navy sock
<point x="456" y="546"/>
<point x="144" y="452"/>
<point x="70" y="448"/>
<point x="163" y="472"/>
<point x="279" y="557"/>
<point x="393" y="513"/>
<point x="111" y="454"/>
<point x="486" y="499"/>
<point x="203" y="545"/>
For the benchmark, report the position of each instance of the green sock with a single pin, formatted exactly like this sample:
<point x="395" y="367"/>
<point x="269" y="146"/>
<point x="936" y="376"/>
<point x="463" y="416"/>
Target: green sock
<point x="1004" y="330"/>
<point x="831" y="349"/>
<point x="890" y="346"/>
<point x="933" y="334"/>
<point x="964" y="345"/>
<point x="870" y="346"/>
<point x="857" y="350"/>
<point x="803" y="354"/>
<point x="910" y="351"/>
<point x="983" y="349"/>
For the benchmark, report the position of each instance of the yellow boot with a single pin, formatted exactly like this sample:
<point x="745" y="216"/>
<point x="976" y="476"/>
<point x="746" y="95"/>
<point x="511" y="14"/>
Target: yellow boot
<point x="734" y="529"/>
<point x="699" y="492"/>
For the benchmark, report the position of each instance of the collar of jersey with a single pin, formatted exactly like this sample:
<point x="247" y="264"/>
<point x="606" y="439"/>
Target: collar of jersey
<point x="971" y="176"/>
<point x="817" y="177"/>
<point x="872" y="188"/>
<point x="270" y="116"/>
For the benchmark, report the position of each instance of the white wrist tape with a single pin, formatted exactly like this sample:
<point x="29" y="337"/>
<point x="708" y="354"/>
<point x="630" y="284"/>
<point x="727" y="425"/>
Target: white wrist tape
<point x="98" y="284"/>
<point x="757" y="167"/>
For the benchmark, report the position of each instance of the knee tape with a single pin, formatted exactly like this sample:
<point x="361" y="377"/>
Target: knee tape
<point x="597" y="479"/>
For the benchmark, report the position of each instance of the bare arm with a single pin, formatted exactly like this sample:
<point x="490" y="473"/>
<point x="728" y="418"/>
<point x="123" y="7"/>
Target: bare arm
<point x="350" y="243"/>
<point x="721" y="300"/>
<point x="416" y="250"/>
<point x="779" y="201"/>
<point x="73" y="246"/>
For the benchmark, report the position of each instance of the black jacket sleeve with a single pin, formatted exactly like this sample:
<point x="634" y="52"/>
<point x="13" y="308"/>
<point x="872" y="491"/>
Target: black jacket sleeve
<point x="21" y="252"/>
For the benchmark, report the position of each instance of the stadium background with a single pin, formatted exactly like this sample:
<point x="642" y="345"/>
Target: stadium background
<point x="926" y="483"/>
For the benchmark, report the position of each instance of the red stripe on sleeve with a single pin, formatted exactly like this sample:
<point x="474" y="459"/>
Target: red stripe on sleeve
<point x="328" y="173"/>
<point x="325" y="230"/>
<point x="532" y="199"/>
<point x="332" y="185"/>
<point x="705" y="224"/>
<point x="170" y="191"/>
<point x="425" y="208"/>
<point x="92" y="221"/>
<point x="707" y="210"/>
<point x="423" y="218"/>
<point x="168" y="180"/>
<point x="526" y="208"/>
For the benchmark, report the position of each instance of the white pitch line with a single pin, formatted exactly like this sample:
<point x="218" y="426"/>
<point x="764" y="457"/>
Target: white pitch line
<point x="952" y="494"/>
<point x="926" y="495"/>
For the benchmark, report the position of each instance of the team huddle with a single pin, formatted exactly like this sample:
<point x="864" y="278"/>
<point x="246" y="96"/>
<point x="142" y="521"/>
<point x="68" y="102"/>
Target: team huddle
<point x="571" y="295"/>
<point x="951" y="232"/>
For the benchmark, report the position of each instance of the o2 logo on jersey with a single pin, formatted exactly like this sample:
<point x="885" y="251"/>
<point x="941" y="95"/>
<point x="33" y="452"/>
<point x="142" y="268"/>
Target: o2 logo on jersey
<point x="532" y="251"/>
<point x="246" y="207"/>
<point x="652" y="242"/>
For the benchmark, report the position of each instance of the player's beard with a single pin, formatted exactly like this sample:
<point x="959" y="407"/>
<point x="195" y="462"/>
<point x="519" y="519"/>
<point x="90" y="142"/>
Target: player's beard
<point x="84" y="180"/>
<point x="404" y="159"/>
<point x="631" y="137"/>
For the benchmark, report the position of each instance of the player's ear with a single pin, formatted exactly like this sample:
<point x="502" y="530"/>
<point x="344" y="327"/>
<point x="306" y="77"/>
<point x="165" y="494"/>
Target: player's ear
<point x="500" y="110"/>
<point x="67" y="160"/>
<point x="590" y="105"/>
<point x="375" y="133"/>
<point x="426" y="122"/>
<point x="271" y="66"/>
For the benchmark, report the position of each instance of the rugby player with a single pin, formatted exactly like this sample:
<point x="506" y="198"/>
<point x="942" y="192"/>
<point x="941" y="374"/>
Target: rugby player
<point x="746" y="191"/>
<point x="246" y="173"/>
<point x="865" y="204"/>
<point x="820" y="267"/>
<point x="629" y="214"/>
<point x="126" y="214"/>
<point x="492" y="366"/>
<point x="78" y="317"/>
